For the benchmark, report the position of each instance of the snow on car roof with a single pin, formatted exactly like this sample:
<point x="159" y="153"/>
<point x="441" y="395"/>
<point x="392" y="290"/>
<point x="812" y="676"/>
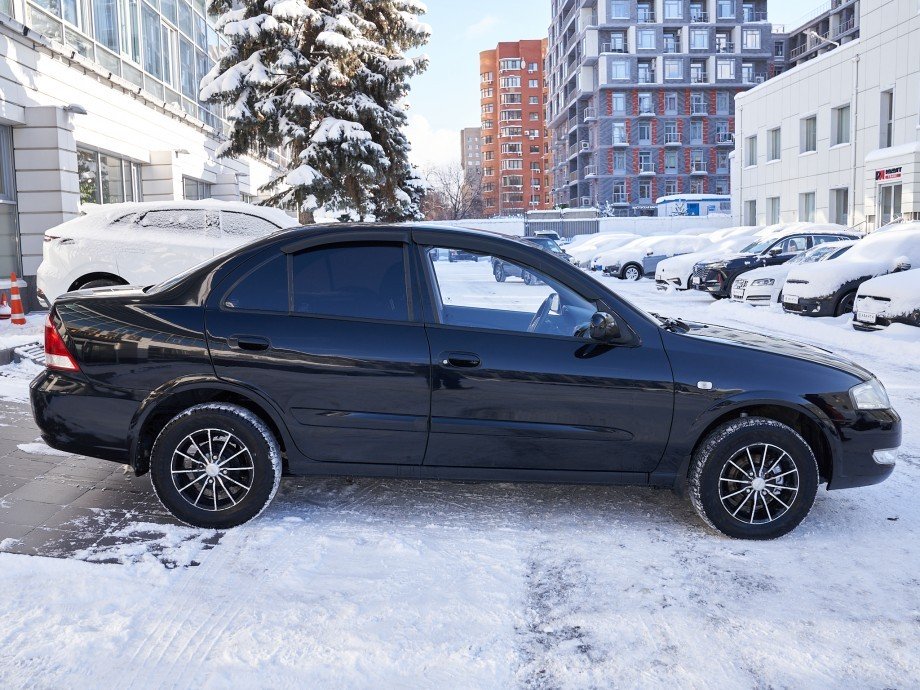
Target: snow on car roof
<point x="902" y="289"/>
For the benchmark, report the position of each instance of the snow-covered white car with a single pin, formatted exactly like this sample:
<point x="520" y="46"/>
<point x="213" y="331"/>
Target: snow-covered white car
<point x="146" y="243"/>
<point x="765" y="285"/>
<point x="882" y="301"/>
<point x="829" y="288"/>
<point x="584" y="252"/>
<point x="675" y="272"/>
<point x="625" y="262"/>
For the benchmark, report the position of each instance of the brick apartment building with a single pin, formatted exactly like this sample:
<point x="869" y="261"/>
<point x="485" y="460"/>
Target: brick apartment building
<point x="514" y="147"/>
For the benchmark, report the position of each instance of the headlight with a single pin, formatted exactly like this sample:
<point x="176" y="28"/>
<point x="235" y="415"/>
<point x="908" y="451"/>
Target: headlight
<point x="870" y="395"/>
<point x="763" y="281"/>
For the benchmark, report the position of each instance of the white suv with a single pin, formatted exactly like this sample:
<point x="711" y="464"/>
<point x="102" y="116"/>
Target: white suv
<point x="146" y="243"/>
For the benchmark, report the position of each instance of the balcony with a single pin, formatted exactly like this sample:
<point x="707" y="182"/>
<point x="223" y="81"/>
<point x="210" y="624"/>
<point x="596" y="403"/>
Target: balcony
<point x="590" y="171"/>
<point x="573" y="176"/>
<point x="697" y="110"/>
<point x="611" y="48"/>
<point x="698" y="168"/>
<point x="647" y="78"/>
<point x="723" y="138"/>
<point x="672" y="139"/>
<point x="646" y="110"/>
<point x="845" y="26"/>
<point x="620" y="141"/>
<point x="619" y="198"/>
<point x="699" y="17"/>
<point x="646" y="168"/>
<point x="646" y="17"/>
<point x="759" y="78"/>
<point x="749" y="16"/>
<point x="589" y="115"/>
<point x="726" y="47"/>
<point x="699" y="78"/>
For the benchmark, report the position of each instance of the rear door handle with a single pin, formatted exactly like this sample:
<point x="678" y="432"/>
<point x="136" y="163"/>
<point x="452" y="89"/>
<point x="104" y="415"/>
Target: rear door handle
<point x="460" y="360"/>
<point x="248" y="343"/>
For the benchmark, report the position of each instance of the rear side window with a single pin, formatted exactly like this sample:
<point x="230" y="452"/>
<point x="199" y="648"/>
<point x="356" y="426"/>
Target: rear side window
<point x="352" y="280"/>
<point x="245" y="225"/>
<point x="265" y="288"/>
<point x="192" y="221"/>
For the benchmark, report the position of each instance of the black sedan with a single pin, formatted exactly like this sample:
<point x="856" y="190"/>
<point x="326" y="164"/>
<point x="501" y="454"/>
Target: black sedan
<point x="351" y="351"/>
<point x="716" y="277"/>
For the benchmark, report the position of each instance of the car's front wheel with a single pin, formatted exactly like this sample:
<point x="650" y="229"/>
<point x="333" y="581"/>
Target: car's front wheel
<point x="753" y="478"/>
<point x="215" y="465"/>
<point x="631" y="272"/>
<point x="845" y="305"/>
<point x="499" y="271"/>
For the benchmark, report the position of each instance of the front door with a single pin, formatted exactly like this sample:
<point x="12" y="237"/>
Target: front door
<point x="889" y="204"/>
<point x="513" y="388"/>
<point x="327" y="335"/>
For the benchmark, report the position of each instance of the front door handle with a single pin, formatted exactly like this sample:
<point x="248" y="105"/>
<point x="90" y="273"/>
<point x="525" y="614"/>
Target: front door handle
<point x="460" y="360"/>
<point x="248" y="343"/>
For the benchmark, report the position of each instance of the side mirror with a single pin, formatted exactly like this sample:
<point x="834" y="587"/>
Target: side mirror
<point x="901" y="265"/>
<point x="603" y="327"/>
<point x="776" y="251"/>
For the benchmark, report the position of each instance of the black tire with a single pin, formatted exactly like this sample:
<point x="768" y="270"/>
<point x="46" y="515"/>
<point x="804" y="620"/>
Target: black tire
<point x="235" y="427"/>
<point x="631" y="272"/>
<point x="99" y="282"/>
<point x="499" y="272"/>
<point x="714" y="468"/>
<point x="845" y="305"/>
<point x="529" y="278"/>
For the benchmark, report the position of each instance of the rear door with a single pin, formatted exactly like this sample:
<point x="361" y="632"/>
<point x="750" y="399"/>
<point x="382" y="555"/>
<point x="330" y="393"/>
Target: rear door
<point x="328" y="334"/>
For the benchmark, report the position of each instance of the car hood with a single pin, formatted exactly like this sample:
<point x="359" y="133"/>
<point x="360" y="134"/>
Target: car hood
<point x="775" y="272"/>
<point x="776" y="346"/>
<point x="732" y="258"/>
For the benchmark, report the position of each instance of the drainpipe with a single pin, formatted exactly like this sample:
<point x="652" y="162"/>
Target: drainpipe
<point x="739" y="162"/>
<point x="854" y="144"/>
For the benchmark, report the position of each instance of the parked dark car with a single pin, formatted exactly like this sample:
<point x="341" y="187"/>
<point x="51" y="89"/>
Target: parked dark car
<point x="502" y="269"/>
<point x="457" y="255"/>
<point x="716" y="276"/>
<point x="350" y="351"/>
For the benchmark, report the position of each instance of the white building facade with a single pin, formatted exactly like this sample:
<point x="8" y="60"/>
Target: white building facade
<point x="98" y="104"/>
<point x="837" y="138"/>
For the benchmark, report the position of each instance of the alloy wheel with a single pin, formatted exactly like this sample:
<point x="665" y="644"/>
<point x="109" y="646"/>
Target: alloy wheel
<point x="759" y="484"/>
<point x="632" y="273"/>
<point x="212" y="469"/>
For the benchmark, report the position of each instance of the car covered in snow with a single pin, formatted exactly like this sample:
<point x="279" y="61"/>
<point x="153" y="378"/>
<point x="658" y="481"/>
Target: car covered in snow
<point x="146" y="242"/>
<point x="893" y="298"/>
<point x="675" y="272"/>
<point x="829" y="288"/>
<point x="348" y="350"/>
<point x="625" y="262"/>
<point x="584" y="251"/>
<point x="764" y="285"/>
<point x="716" y="275"/>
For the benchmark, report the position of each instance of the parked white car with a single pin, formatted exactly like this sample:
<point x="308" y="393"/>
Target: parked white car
<point x="625" y="262"/>
<point x="146" y="243"/>
<point x="584" y="252"/>
<point x="829" y="288"/>
<point x="675" y="272"/>
<point x="764" y="285"/>
<point x="885" y="300"/>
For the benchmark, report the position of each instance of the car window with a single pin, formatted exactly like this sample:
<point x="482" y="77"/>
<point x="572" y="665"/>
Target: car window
<point x="794" y="245"/>
<point x="546" y="244"/>
<point x="192" y="221"/>
<point x="495" y="293"/>
<point x="821" y="239"/>
<point x="264" y="288"/>
<point x="245" y="225"/>
<point x="351" y="280"/>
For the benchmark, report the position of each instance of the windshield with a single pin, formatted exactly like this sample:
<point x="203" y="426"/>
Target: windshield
<point x="546" y="244"/>
<point x="812" y="255"/>
<point x="759" y="247"/>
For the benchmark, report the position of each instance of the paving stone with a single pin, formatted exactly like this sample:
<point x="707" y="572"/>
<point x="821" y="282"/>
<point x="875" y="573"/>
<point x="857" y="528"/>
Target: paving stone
<point x="19" y="467"/>
<point x="20" y="512"/>
<point x="8" y="531"/>
<point x="9" y="484"/>
<point x="79" y="472"/>
<point x="94" y="521"/>
<point x="53" y="543"/>
<point x="47" y="491"/>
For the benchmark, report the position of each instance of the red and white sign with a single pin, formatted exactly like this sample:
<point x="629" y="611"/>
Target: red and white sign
<point x="888" y="174"/>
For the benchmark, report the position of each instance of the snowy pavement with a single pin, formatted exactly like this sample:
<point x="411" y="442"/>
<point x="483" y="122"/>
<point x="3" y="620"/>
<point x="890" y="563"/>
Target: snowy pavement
<point x="388" y="583"/>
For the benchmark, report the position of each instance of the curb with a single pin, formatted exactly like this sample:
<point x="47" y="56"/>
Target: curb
<point x="31" y="351"/>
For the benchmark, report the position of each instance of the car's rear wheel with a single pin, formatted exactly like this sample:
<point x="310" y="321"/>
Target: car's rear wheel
<point x="530" y="278"/>
<point x="499" y="272"/>
<point x="97" y="283"/>
<point x="215" y="465"/>
<point x="845" y="305"/>
<point x="631" y="272"/>
<point x="753" y="478"/>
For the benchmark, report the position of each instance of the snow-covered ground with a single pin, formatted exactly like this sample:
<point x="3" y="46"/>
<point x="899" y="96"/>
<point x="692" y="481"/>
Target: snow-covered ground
<point x="387" y="583"/>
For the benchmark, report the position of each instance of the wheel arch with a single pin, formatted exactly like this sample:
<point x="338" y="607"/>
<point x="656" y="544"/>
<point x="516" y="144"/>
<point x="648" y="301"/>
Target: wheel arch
<point x="806" y="419"/>
<point x="627" y="265"/>
<point x="166" y="402"/>
<point x="96" y="275"/>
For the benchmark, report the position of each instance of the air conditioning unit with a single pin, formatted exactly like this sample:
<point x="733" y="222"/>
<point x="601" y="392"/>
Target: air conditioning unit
<point x="758" y="79"/>
<point x="585" y="145"/>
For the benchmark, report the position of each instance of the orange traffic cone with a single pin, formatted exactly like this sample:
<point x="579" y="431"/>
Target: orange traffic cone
<point x="4" y="307"/>
<point x="18" y="317"/>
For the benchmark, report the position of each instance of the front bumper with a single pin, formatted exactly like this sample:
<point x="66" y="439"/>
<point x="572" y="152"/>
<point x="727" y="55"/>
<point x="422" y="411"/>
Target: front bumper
<point x="808" y="306"/>
<point x="76" y="417"/>
<point x="869" y="431"/>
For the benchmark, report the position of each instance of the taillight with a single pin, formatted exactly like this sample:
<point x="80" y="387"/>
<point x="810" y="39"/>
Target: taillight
<point x="57" y="355"/>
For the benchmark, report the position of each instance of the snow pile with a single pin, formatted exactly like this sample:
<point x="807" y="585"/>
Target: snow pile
<point x="902" y="290"/>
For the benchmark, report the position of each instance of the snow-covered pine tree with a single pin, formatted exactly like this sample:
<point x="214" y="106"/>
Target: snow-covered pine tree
<point x="324" y="81"/>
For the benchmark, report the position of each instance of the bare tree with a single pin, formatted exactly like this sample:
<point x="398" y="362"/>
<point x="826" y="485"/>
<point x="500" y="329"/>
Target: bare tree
<point x="452" y="194"/>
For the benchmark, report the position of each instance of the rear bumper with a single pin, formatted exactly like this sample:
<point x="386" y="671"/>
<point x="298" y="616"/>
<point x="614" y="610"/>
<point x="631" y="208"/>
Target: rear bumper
<point x="76" y="417"/>
<point x="870" y="431"/>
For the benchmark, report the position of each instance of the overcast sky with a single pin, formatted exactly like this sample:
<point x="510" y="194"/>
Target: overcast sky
<point x="446" y="98"/>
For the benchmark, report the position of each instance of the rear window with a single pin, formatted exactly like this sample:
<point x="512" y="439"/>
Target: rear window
<point x="265" y="288"/>
<point x="245" y="225"/>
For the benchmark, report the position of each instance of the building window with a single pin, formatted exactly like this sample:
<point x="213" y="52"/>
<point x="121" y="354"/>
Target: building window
<point x="532" y="67"/>
<point x="721" y="187"/>
<point x="723" y="103"/>
<point x="725" y="9"/>
<point x="839" y="206"/>
<point x="725" y="69"/>
<point x="645" y="190"/>
<point x="773" y="210"/>
<point x="619" y="192"/>
<point x="619" y="133"/>
<point x="809" y="135"/>
<point x="696" y="131"/>
<point x="886" y="119"/>
<point x="510" y="82"/>
<point x="673" y="69"/>
<point x="673" y="9"/>
<point x="699" y="39"/>
<point x="722" y="161"/>
<point x="670" y="162"/>
<point x="645" y="39"/>
<point x="194" y="190"/>
<point x="697" y="161"/>
<point x="645" y="132"/>
<point x="807" y="207"/>
<point x="619" y="69"/>
<point x="645" y="162"/>
<point x="646" y="107"/>
<point x="670" y="187"/>
<point x="750" y="212"/>
<point x="697" y="104"/>
<point x="106" y="179"/>
<point x="619" y="9"/>
<point x="646" y="72"/>
<point x="750" y="151"/>
<point x="533" y="83"/>
<point x="619" y="161"/>
<point x="507" y="64"/>
<point x="618" y="103"/>
<point x="774" y="145"/>
<point x="534" y="100"/>
<point x="840" y="125"/>
<point x="671" y="104"/>
<point x="750" y="39"/>
<point x="696" y="186"/>
<point x="778" y="49"/>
